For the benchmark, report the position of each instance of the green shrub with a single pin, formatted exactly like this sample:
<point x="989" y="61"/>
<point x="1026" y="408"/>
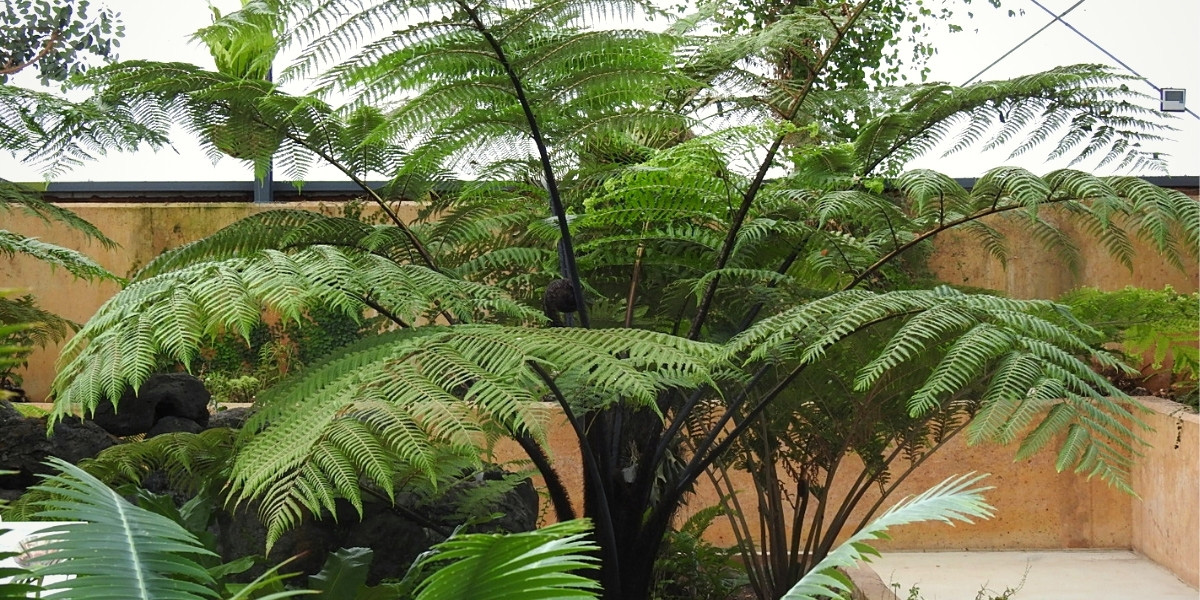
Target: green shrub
<point x="1156" y="329"/>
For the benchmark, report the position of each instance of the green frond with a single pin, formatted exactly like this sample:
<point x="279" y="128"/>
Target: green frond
<point x="1088" y="106"/>
<point x="149" y="556"/>
<point x="15" y="196"/>
<point x="951" y="500"/>
<point x="545" y="563"/>
<point x="408" y="397"/>
<point x="53" y="134"/>
<point x="168" y="314"/>
<point x="73" y="261"/>
<point x="41" y="327"/>
<point x="1019" y="364"/>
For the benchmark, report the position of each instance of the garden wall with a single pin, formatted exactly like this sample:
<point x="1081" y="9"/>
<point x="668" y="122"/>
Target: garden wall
<point x="143" y="230"/>
<point x="1036" y="506"/>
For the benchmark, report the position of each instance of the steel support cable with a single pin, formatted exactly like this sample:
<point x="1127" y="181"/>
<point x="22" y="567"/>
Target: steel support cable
<point x="1101" y="48"/>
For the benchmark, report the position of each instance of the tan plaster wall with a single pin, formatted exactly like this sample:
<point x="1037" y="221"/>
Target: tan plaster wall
<point x="1036" y="507"/>
<point x="1034" y="272"/>
<point x="142" y="230"/>
<point x="1166" y="517"/>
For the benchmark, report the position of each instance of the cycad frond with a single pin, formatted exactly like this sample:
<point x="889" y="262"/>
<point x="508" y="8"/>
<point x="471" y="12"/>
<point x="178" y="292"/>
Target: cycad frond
<point x="150" y="557"/>
<point x="951" y="500"/>
<point x="538" y="564"/>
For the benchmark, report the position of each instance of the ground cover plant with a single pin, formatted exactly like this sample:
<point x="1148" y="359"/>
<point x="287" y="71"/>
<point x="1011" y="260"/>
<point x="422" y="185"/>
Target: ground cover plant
<point x="698" y="261"/>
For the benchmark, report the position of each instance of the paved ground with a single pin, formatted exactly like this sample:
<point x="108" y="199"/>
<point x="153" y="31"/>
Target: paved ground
<point x="1051" y="575"/>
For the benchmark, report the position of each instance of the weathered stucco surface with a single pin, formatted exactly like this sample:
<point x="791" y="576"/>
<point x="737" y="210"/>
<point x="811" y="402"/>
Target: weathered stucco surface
<point x="1036" y="506"/>
<point x="1166" y="516"/>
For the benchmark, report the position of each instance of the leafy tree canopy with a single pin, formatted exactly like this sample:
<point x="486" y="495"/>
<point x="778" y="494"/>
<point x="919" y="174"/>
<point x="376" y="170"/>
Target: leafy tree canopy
<point x="57" y="38"/>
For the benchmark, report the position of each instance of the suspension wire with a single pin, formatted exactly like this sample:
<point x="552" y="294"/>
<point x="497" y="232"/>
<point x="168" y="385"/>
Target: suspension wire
<point x="1024" y="41"/>
<point x="1100" y="48"/>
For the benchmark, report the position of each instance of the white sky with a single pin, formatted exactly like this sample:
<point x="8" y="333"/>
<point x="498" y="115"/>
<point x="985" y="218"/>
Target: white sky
<point x="1157" y="38"/>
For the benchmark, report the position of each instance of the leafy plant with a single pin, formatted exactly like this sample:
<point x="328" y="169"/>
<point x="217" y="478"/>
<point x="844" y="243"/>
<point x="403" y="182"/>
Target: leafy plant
<point x="1154" y="328"/>
<point x="692" y="568"/>
<point x="696" y="293"/>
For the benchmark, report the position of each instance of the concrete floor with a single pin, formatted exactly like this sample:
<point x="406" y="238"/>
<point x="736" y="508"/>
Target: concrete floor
<point x="1049" y="575"/>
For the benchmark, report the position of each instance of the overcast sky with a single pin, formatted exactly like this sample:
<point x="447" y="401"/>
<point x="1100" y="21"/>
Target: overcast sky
<point x="1156" y="38"/>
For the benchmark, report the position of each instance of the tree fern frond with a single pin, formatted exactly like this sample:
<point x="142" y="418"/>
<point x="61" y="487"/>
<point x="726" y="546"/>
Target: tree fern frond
<point x="1081" y="102"/>
<point x="206" y="298"/>
<point x="256" y="232"/>
<point x="410" y="395"/>
<point x="75" y="262"/>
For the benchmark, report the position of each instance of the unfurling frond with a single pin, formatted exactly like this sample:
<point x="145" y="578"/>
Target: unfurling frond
<point x="404" y="398"/>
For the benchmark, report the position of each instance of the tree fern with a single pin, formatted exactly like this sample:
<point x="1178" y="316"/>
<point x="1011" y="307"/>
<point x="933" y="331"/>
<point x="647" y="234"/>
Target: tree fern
<point x="1029" y="364"/>
<point x="407" y="396"/>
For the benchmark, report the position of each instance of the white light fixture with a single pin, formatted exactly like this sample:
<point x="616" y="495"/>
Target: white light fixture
<point x="1172" y="100"/>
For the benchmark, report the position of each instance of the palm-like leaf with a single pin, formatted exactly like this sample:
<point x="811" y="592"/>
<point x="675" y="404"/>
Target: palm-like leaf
<point x="119" y="551"/>
<point x="951" y="500"/>
<point x="536" y="564"/>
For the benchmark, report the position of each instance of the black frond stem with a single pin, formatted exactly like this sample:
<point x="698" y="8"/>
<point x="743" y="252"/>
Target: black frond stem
<point x="566" y="248"/>
<point x="559" y="496"/>
<point x="994" y="210"/>
<point x="387" y="314"/>
<point x="604" y="516"/>
<point x="685" y="411"/>
<point x="634" y="280"/>
<point x="705" y="456"/>
<point x="895" y="483"/>
<point x="891" y="228"/>
<point x="760" y="177"/>
<point x="426" y="257"/>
